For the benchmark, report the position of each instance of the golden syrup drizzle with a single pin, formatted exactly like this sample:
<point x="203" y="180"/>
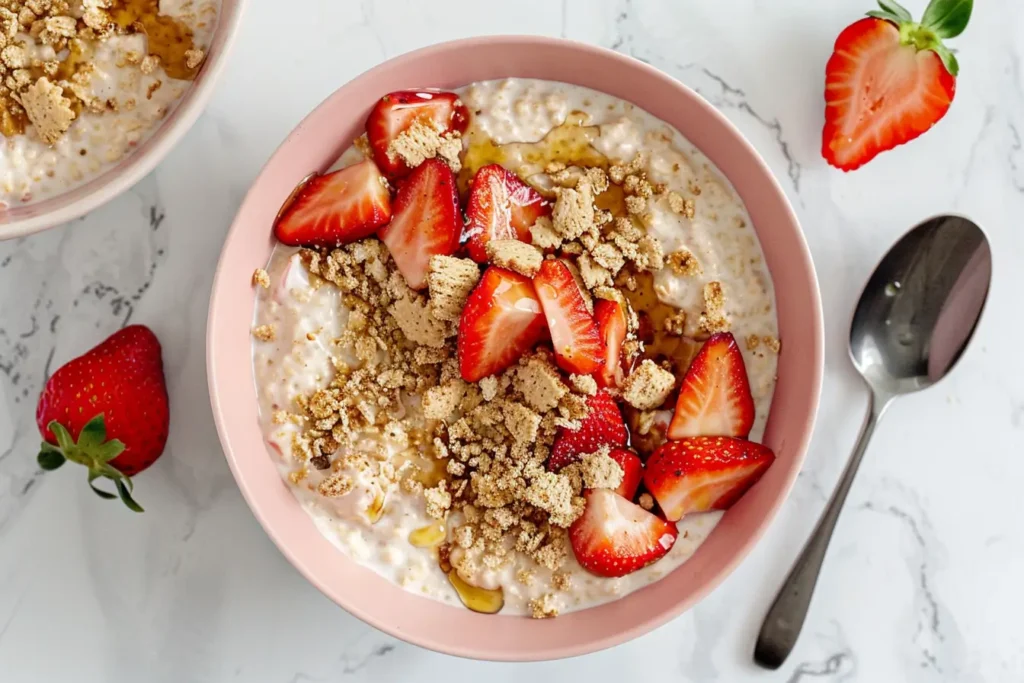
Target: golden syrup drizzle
<point x="482" y="600"/>
<point x="429" y="536"/>
<point x="375" y="510"/>
<point x="658" y="343"/>
<point x="569" y="143"/>
<point x="168" y="38"/>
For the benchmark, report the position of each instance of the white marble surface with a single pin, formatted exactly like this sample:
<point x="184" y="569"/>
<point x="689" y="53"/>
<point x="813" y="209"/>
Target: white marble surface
<point x="923" y="581"/>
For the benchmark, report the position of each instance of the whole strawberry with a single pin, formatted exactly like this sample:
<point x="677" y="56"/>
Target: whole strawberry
<point x="107" y="410"/>
<point x="889" y="80"/>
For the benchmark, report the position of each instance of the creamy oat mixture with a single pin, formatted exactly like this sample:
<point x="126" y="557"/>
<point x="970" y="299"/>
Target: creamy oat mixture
<point x="389" y="501"/>
<point x="84" y="82"/>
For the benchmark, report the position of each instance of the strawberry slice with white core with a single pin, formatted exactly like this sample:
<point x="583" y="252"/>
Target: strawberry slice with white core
<point x="396" y="112"/>
<point x="425" y="222"/>
<point x="889" y="80"/>
<point x="611" y="325"/>
<point x="704" y="473"/>
<point x="337" y="208"/>
<point x="715" y="398"/>
<point x="501" y="321"/>
<point x="615" y="537"/>
<point x="574" y="334"/>
<point x="500" y="207"/>
<point x="632" y="471"/>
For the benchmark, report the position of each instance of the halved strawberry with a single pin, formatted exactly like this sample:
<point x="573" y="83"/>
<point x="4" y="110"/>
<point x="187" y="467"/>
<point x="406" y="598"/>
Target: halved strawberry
<point x="574" y="335"/>
<point x="632" y="471"/>
<point x="603" y="426"/>
<point x="333" y="209"/>
<point x="704" y="473"/>
<point x="615" y="537"/>
<point x="715" y="397"/>
<point x="396" y="112"/>
<point x="611" y="325"/>
<point x="501" y="321"/>
<point x="426" y="220"/>
<point x="889" y="80"/>
<point x="500" y="207"/>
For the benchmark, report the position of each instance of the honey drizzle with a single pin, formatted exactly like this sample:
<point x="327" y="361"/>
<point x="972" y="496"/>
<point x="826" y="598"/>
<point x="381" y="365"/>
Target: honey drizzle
<point x="659" y="345"/>
<point x="375" y="510"/>
<point x="429" y="536"/>
<point x="167" y="37"/>
<point x="482" y="600"/>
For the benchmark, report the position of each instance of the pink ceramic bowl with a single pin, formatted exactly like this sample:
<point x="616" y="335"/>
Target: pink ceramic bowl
<point x="18" y="221"/>
<point x="314" y="145"/>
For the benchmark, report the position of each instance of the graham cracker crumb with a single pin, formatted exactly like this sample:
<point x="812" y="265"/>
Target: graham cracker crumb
<point x="593" y="274"/>
<point x="149" y="64"/>
<point x="264" y="332"/>
<point x="646" y="501"/>
<point x="684" y="207"/>
<point x="600" y="471"/>
<point x="422" y="141"/>
<point x="521" y="422"/>
<point x="675" y="324"/>
<point x="525" y="577"/>
<point x="489" y="387"/>
<point x="261" y="278"/>
<point x="772" y="343"/>
<point x="683" y="262"/>
<point x="544" y="607"/>
<point x="573" y="213"/>
<point x="516" y="256"/>
<point x="335" y="485"/>
<point x="583" y="384"/>
<point x="194" y="57"/>
<point x="540" y="384"/>
<point x="753" y="341"/>
<point x="648" y="386"/>
<point x="48" y="110"/>
<point x="712" y="318"/>
<point x="417" y="323"/>
<point x="441" y="402"/>
<point x="438" y="500"/>
<point x="561" y="581"/>
<point x="450" y="281"/>
<point x="636" y="205"/>
<point x="543" y="234"/>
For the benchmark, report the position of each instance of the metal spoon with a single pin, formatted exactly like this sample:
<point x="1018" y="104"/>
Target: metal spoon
<point x="912" y="323"/>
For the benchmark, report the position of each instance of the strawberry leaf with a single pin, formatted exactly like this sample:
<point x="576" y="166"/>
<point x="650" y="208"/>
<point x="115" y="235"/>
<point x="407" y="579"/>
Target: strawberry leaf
<point x="895" y="9"/>
<point x="948" y="19"/>
<point x="93" y="476"/>
<point x="126" y="496"/>
<point x="93" y="433"/>
<point x="948" y="59"/>
<point x="885" y="16"/>
<point x="50" y="457"/>
<point x="64" y="440"/>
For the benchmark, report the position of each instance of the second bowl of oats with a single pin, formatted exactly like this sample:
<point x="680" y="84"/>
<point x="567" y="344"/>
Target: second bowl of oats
<point x="94" y="94"/>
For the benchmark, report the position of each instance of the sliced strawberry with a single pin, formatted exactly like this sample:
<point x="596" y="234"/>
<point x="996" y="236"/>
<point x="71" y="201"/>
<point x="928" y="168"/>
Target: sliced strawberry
<point x="632" y="471"/>
<point x="396" y="112"/>
<point x="615" y="537"/>
<point x="502" y="320"/>
<point x="337" y="208"/>
<point x="574" y="335"/>
<point x="888" y="81"/>
<point x="715" y="397"/>
<point x="500" y="207"/>
<point x="611" y="325"/>
<point x="704" y="473"/>
<point x="426" y="220"/>
<point x="603" y="426"/>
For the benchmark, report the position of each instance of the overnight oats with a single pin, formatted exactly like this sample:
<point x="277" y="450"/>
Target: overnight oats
<point x="83" y="82"/>
<point x="516" y="349"/>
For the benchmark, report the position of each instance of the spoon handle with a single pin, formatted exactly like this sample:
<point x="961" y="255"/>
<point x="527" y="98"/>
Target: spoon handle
<point x="785" y="618"/>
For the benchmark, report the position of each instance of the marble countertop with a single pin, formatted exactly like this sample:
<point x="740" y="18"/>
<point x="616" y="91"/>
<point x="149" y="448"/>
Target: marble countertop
<point x="923" y="580"/>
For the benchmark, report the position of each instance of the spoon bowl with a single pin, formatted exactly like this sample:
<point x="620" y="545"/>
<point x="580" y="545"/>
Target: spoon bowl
<point x="914" y="319"/>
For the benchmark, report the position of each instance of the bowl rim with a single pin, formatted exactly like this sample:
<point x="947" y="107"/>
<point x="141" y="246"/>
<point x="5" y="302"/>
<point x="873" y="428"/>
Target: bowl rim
<point x="798" y="447"/>
<point x="124" y="175"/>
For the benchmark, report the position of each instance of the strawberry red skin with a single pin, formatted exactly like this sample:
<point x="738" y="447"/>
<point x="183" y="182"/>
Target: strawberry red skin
<point x="500" y="207"/>
<point x="122" y="378"/>
<point x="632" y="471"/>
<point x="603" y="426"/>
<point x="715" y="398"/>
<point x="574" y="333"/>
<point x="615" y="537"/>
<point x="336" y="208"/>
<point x="879" y="93"/>
<point x="704" y="473"/>
<point x="611" y="325"/>
<point x="501" y="321"/>
<point x="396" y="112"/>
<point x="426" y="220"/>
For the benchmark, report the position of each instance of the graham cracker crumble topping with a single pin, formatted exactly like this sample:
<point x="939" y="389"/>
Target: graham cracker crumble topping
<point x="48" y="110"/>
<point x="599" y="470"/>
<point x="561" y="581"/>
<point x="712" y="318"/>
<point x="772" y="343"/>
<point x="422" y="141"/>
<point x="683" y="262"/>
<point x="336" y="485"/>
<point x="449" y="281"/>
<point x="648" y="386"/>
<point x="646" y="501"/>
<point x="584" y="384"/>
<point x="264" y="332"/>
<point x="516" y="256"/>
<point x="684" y="207"/>
<point x="753" y="341"/>
<point x="544" y="607"/>
<point x="260" y="278"/>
